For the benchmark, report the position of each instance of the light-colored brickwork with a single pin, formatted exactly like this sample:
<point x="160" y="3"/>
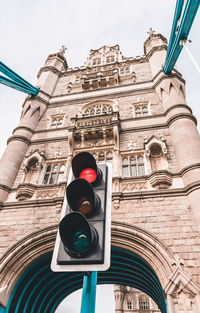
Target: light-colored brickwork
<point x="125" y="111"/>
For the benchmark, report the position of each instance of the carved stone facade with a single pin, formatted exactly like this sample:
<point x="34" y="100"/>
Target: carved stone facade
<point x="128" y="299"/>
<point x="126" y="111"/>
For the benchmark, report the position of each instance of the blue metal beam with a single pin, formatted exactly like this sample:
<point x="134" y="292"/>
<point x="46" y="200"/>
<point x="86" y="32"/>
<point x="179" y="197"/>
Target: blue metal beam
<point x="183" y="17"/>
<point x="16" y="81"/>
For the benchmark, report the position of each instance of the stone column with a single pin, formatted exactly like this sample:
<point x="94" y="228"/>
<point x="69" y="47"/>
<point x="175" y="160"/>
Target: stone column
<point x="119" y="298"/>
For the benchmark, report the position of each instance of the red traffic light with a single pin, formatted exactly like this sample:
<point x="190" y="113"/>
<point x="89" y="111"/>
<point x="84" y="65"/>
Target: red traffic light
<point x="84" y="166"/>
<point x="88" y="174"/>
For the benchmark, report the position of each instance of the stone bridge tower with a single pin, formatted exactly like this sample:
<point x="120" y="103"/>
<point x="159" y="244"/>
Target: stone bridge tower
<point x="123" y="110"/>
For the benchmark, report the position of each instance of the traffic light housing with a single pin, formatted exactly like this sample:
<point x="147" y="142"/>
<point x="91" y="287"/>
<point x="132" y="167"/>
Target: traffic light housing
<point x="83" y="239"/>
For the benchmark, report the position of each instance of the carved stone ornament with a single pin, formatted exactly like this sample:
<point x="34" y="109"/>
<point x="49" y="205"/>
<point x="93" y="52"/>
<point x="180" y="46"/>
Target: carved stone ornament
<point x="47" y="194"/>
<point x="116" y="204"/>
<point x="183" y="290"/>
<point x="154" y="141"/>
<point x="130" y="186"/>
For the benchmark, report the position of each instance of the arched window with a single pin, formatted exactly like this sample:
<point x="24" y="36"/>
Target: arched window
<point x="98" y="109"/>
<point x="140" y="166"/>
<point x="144" y="303"/>
<point x="144" y="111"/>
<point x="125" y="165"/>
<point x="138" y="112"/>
<point x="101" y="157"/>
<point x="109" y="156"/>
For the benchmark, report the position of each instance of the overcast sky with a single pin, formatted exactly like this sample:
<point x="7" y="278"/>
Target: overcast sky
<point x="31" y="30"/>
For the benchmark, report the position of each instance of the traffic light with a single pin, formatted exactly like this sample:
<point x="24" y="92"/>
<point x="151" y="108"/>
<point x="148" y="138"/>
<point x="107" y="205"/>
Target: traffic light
<point x="83" y="239"/>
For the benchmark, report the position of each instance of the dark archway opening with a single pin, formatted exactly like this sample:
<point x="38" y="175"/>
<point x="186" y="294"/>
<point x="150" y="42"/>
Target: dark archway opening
<point x="39" y="290"/>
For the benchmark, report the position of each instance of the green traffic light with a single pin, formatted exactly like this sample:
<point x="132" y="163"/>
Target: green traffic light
<point x="80" y="241"/>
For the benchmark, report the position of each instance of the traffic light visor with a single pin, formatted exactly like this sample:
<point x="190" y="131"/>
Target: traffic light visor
<point x="78" y="237"/>
<point x="84" y="166"/>
<point x="82" y="198"/>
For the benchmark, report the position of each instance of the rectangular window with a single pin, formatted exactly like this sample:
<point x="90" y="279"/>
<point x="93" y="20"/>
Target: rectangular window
<point x="54" y="173"/>
<point x="57" y="121"/>
<point x="133" y="166"/>
<point x="141" y="111"/>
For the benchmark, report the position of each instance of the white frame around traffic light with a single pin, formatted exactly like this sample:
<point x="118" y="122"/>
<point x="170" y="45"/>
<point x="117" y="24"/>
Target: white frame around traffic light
<point x="55" y="267"/>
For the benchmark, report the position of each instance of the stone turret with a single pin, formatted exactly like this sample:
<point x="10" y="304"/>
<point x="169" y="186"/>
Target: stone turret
<point x="155" y="48"/>
<point x="33" y="109"/>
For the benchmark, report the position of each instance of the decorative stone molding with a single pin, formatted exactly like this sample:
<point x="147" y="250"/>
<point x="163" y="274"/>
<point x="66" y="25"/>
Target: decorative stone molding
<point x="51" y="193"/>
<point x="156" y="155"/>
<point x="102" y="54"/>
<point x="153" y="140"/>
<point x="132" y="186"/>
<point x="32" y="166"/>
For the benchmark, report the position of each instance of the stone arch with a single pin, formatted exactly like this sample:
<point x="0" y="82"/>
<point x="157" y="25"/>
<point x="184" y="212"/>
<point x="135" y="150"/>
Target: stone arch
<point x="124" y="236"/>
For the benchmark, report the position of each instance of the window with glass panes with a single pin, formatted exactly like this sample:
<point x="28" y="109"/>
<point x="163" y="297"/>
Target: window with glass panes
<point x="54" y="173"/>
<point x="110" y="59"/>
<point x="57" y="122"/>
<point x="144" y="303"/>
<point x="141" y="111"/>
<point x="97" y="61"/>
<point x="103" y="156"/>
<point x="129" y="305"/>
<point x="133" y="166"/>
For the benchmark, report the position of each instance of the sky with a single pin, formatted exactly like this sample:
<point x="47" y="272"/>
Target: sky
<point x="31" y="30"/>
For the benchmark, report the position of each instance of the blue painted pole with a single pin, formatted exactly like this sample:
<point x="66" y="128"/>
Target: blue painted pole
<point x="89" y="293"/>
<point x="2" y="309"/>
